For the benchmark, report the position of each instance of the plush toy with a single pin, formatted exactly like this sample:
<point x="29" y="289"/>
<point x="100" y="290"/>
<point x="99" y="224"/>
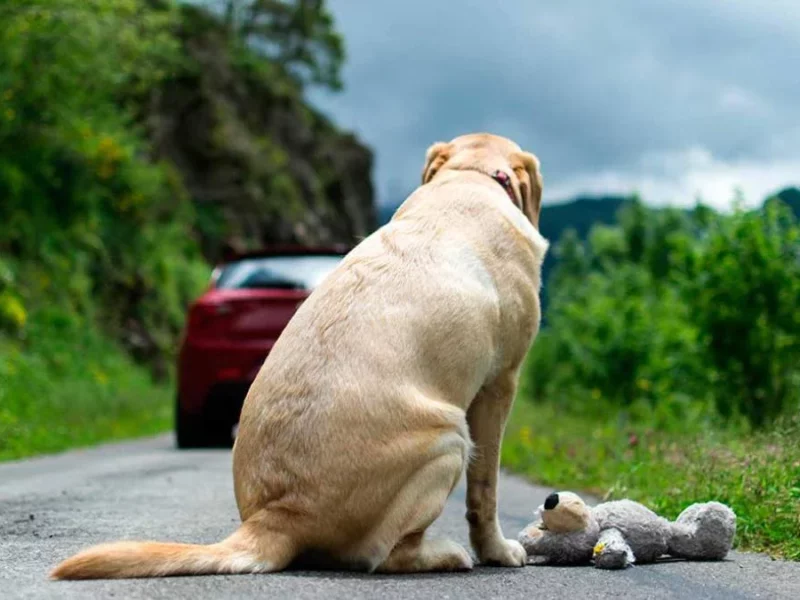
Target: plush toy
<point x="617" y="534"/>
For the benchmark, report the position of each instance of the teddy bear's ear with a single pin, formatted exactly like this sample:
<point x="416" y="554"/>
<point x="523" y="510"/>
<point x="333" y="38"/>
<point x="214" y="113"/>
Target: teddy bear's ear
<point x="551" y="501"/>
<point x="537" y="514"/>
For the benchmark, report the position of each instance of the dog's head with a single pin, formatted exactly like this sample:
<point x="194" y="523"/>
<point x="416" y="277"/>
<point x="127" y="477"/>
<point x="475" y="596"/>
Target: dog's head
<point x="488" y="154"/>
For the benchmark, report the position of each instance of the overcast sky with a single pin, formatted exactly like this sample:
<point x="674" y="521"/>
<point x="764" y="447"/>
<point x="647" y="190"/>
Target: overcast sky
<point x="672" y="99"/>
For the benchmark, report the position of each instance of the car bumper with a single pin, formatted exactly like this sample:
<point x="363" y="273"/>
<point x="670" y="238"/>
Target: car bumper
<point x="212" y="373"/>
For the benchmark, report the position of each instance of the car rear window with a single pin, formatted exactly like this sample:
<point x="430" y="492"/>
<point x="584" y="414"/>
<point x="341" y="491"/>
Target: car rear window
<point x="282" y="272"/>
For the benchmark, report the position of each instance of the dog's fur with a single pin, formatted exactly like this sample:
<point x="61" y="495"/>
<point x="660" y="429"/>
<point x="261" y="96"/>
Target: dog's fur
<point x="394" y="376"/>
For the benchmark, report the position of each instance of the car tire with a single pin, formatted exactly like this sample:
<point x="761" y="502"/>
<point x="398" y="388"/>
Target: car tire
<point x="191" y="431"/>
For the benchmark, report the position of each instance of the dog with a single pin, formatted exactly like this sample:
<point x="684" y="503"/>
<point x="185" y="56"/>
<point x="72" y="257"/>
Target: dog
<point x="395" y="376"/>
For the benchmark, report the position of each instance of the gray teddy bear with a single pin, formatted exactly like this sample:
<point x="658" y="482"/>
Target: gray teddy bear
<point x="619" y="533"/>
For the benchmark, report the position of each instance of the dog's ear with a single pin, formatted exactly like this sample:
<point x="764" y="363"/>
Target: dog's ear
<point x="435" y="157"/>
<point x="532" y="189"/>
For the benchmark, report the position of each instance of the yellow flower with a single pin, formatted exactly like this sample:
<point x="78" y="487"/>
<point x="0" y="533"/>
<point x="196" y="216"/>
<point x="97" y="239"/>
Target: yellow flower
<point x="12" y="310"/>
<point x="525" y="434"/>
<point x="98" y="375"/>
<point x="109" y="147"/>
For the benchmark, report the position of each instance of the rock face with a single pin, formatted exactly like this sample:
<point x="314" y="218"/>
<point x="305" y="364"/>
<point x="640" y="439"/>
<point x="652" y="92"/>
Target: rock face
<point x="261" y="165"/>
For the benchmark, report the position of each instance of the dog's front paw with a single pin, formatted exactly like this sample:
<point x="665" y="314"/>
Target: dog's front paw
<point x="504" y="553"/>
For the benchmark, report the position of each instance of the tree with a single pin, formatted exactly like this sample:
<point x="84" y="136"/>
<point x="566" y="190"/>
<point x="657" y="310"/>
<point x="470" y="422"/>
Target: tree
<point x="744" y="302"/>
<point x="299" y="35"/>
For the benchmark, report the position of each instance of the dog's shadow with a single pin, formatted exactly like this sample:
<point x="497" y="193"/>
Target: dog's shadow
<point x="318" y="573"/>
<point x="320" y="566"/>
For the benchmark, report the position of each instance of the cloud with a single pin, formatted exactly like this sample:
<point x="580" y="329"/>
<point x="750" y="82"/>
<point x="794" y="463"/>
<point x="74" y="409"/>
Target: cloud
<point x="670" y="98"/>
<point x="683" y="178"/>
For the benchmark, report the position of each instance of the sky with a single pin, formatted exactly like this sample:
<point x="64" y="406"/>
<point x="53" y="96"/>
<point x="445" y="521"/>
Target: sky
<point x="675" y="100"/>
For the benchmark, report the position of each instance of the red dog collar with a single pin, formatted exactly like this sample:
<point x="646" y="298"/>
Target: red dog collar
<point x="504" y="180"/>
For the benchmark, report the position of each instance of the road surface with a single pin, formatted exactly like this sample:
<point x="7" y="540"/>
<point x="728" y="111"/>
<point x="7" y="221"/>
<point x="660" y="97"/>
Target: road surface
<point x="51" y="507"/>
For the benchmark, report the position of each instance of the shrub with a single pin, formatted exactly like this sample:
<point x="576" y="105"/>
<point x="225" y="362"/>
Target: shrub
<point x="676" y="312"/>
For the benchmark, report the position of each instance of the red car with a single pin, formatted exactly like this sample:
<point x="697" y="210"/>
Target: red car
<point x="230" y="330"/>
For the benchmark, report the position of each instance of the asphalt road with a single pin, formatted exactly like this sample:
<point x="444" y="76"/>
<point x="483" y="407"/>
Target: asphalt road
<point x="51" y="507"/>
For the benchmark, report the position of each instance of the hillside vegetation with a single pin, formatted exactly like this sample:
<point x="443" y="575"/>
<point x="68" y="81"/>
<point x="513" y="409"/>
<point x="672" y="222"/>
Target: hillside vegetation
<point x="138" y="140"/>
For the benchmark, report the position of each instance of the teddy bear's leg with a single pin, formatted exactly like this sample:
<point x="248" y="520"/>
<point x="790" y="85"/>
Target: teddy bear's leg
<point x="487" y="418"/>
<point x="612" y="551"/>
<point x="703" y="532"/>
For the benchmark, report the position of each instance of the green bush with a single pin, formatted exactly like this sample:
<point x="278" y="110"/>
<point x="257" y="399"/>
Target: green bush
<point x="64" y="384"/>
<point x="676" y="314"/>
<point x="744" y="301"/>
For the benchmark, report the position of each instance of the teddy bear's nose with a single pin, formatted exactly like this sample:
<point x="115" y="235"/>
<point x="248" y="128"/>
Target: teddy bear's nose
<point x="551" y="501"/>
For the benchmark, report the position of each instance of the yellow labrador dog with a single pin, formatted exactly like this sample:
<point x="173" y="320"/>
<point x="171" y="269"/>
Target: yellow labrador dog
<point x="394" y="376"/>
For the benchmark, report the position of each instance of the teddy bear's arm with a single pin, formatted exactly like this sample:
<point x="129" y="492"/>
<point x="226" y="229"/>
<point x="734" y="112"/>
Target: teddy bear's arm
<point x="536" y="541"/>
<point x="612" y="551"/>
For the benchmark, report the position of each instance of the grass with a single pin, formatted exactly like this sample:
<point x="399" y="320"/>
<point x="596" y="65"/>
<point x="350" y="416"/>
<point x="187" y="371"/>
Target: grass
<point x="64" y="385"/>
<point x="758" y="475"/>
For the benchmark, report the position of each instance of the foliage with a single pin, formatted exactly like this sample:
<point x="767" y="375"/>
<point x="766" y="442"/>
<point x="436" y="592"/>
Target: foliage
<point x="66" y="385"/>
<point x="259" y="163"/>
<point x="683" y="313"/>
<point x="744" y="293"/>
<point x="138" y="139"/>
<point x="107" y="229"/>
<point x="298" y="36"/>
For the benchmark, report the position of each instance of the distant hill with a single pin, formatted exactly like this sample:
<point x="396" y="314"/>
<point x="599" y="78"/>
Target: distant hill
<point x="790" y="196"/>
<point x="581" y="213"/>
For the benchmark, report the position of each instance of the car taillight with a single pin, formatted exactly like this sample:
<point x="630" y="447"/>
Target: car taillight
<point x="230" y="373"/>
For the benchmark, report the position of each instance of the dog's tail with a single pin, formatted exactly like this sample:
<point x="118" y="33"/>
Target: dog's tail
<point x="250" y="549"/>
